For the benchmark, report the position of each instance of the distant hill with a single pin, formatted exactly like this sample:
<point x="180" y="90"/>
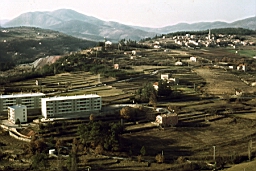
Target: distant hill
<point x="87" y="27"/>
<point x="78" y="25"/>
<point x="249" y="23"/>
<point x="26" y="44"/>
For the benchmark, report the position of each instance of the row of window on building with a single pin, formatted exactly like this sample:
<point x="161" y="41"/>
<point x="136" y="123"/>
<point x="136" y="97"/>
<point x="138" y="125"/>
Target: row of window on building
<point x="17" y="105"/>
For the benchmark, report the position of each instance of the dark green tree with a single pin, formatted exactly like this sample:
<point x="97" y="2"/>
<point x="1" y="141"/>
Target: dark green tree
<point x="143" y="151"/>
<point x="39" y="161"/>
<point x="164" y="88"/>
<point x="100" y="133"/>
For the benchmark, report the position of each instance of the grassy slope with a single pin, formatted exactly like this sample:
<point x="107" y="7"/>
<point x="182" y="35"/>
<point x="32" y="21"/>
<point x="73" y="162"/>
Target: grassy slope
<point x="248" y="166"/>
<point x="25" y="44"/>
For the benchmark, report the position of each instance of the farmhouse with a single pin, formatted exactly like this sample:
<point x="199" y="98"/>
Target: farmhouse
<point x="178" y="63"/>
<point x="30" y="100"/>
<point x="108" y="44"/>
<point x="66" y="106"/>
<point x="241" y="67"/>
<point x="155" y="85"/>
<point x="170" y="119"/>
<point x="193" y="59"/>
<point x="165" y="76"/>
<point x="116" y="66"/>
<point x="17" y="114"/>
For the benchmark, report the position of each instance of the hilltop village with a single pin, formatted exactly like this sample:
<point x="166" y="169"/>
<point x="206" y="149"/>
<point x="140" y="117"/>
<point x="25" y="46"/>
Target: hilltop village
<point x="181" y="101"/>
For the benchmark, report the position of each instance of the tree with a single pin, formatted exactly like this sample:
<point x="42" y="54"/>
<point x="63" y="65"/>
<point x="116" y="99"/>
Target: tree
<point x="164" y="88"/>
<point x="39" y="160"/>
<point x="143" y="151"/>
<point x="127" y="113"/>
<point x="101" y="133"/>
<point x="153" y="99"/>
<point x="143" y="94"/>
<point x="249" y="150"/>
<point x="91" y="118"/>
<point x="40" y="145"/>
<point x="160" y="158"/>
<point x="73" y="159"/>
<point x="99" y="149"/>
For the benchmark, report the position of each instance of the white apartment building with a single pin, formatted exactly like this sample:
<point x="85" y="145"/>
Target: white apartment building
<point x="70" y="105"/>
<point x="17" y="112"/>
<point x="30" y="100"/>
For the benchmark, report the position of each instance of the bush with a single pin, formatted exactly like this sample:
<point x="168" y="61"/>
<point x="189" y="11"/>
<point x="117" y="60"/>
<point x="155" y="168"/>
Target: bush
<point x="190" y="167"/>
<point x="159" y="158"/>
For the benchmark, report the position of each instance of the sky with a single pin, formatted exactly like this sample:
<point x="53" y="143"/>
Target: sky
<point x="147" y="13"/>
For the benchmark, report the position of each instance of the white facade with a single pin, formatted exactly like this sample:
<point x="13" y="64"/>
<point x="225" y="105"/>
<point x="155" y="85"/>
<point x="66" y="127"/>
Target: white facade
<point x="178" y="63"/>
<point x="170" y="119"/>
<point x="17" y="112"/>
<point x="193" y="59"/>
<point x="30" y="100"/>
<point x="66" y="106"/>
<point x="165" y="76"/>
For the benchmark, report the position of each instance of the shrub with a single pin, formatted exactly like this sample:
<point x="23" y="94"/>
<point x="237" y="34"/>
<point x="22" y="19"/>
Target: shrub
<point x="159" y="158"/>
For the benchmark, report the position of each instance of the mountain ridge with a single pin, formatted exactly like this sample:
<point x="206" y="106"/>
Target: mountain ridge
<point x="98" y="29"/>
<point x="79" y="25"/>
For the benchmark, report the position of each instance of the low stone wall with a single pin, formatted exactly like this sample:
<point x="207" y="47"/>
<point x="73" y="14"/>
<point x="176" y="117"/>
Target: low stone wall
<point x="19" y="138"/>
<point x="4" y="127"/>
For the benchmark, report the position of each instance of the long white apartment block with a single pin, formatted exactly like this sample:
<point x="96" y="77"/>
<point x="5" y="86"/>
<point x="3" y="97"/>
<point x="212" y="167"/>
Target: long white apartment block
<point x="53" y="107"/>
<point x="17" y="112"/>
<point x="30" y="100"/>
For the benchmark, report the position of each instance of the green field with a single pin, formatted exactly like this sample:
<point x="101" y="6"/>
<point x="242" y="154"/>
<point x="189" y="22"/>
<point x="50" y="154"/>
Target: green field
<point x="243" y="52"/>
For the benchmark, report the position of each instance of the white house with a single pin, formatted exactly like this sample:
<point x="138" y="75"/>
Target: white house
<point x="165" y="76"/>
<point x="174" y="80"/>
<point x="116" y="66"/>
<point x="84" y="105"/>
<point x="193" y="59"/>
<point x="17" y="113"/>
<point x="170" y="119"/>
<point x="241" y="67"/>
<point x="134" y="52"/>
<point x="108" y="43"/>
<point x="155" y="85"/>
<point x="178" y="63"/>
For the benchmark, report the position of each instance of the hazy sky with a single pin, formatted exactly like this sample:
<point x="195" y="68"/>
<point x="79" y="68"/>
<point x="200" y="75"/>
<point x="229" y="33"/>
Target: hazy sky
<point x="152" y="13"/>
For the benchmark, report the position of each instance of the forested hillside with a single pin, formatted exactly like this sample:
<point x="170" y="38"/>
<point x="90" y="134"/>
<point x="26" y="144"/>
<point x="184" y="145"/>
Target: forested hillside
<point x="26" y="44"/>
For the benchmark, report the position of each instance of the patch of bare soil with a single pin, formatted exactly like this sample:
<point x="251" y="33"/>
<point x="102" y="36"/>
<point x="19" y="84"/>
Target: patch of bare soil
<point x="220" y="82"/>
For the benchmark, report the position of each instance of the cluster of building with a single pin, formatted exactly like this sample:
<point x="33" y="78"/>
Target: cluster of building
<point x="168" y="78"/>
<point x="18" y="105"/>
<point x="210" y="40"/>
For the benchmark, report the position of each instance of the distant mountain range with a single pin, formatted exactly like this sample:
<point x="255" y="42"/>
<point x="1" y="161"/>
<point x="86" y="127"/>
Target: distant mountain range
<point x="88" y="27"/>
<point x="78" y="25"/>
<point x="248" y="23"/>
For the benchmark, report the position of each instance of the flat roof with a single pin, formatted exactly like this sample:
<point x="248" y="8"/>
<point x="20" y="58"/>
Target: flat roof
<point x="21" y="95"/>
<point x="17" y="106"/>
<point x="57" y="98"/>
